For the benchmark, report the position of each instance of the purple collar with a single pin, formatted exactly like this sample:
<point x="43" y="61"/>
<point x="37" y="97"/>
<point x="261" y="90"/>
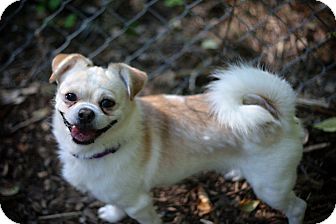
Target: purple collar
<point x="99" y="155"/>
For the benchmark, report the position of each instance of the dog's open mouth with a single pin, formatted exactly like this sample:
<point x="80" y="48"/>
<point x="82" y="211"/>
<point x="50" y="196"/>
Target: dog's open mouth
<point x="85" y="135"/>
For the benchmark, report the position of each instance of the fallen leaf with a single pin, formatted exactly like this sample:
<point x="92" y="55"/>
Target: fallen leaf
<point x="30" y="90"/>
<point x="9" y="189"/>
<point x="5" y="169"/>
<point x="40" y="114"/>
<point x="328" y="125"/>
<point x="204" y="205"/>
<point x="42" y="174"/>
<point x="23" y="147"/>
<point x="248" y="205"/>
<point x="210" y="44"/>
<point x="11" y="97"/>
<point x="204" y="221"/>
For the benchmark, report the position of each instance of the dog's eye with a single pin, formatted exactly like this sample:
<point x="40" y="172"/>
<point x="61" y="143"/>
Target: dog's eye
<point x="105" y="103"/>
<point x="71" y="97"/>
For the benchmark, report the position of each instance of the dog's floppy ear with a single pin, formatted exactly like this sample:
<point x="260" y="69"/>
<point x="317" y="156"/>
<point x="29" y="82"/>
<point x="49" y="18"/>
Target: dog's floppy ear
<point x="133" y="78"/>
<point x="65" y="62"/>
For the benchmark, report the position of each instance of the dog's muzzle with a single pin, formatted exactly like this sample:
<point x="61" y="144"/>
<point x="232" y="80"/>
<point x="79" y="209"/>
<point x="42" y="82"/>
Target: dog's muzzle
<point x="82" y="133"/>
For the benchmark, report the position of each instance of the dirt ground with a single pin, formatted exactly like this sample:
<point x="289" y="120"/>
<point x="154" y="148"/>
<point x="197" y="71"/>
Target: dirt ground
<point x="31" y="187"/>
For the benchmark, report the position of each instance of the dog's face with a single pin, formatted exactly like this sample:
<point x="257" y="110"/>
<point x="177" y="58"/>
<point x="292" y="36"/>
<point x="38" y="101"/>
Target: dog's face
<point x="90" y="99"/>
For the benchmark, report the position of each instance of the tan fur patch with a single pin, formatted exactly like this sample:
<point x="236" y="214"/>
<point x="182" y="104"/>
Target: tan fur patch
<point x="177" y="120"/>
<point x="147" y="143"/>
<point x="57" y="60"/>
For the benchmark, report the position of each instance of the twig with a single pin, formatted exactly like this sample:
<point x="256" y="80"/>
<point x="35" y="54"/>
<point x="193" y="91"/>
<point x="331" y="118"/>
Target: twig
<point x="39" y="115"/>
<point x="315" y="147"/>
<point x="60" y="215"/>
<point x="236" y="189"/>
<point x="312" y="103"/>
<point x="316" y="105"/>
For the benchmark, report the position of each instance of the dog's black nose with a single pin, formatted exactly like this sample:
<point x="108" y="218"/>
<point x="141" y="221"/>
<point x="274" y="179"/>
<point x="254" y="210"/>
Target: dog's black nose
<point x="85" y="115"/>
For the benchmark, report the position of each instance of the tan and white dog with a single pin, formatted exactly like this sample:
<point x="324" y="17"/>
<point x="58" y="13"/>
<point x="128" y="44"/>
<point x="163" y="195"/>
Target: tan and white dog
<point x="118" y="146"/>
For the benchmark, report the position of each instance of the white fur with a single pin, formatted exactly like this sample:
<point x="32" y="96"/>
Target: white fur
<point x="174" y="97"/>
<point x="124" y="180"/>
<point x="111" y="213"/>
<point x="227" y="93"/>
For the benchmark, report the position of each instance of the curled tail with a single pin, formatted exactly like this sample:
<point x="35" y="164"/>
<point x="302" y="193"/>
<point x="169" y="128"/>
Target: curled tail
<point x="248" y="99"/>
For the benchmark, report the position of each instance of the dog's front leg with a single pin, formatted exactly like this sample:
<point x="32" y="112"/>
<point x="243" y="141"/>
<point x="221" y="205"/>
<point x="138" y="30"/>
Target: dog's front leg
<point x="111" y="213"/>
<point x="143" y="211"/>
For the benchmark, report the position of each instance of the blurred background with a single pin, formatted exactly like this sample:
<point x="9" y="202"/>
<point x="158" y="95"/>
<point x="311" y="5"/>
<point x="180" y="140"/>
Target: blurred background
<point x="178" y="43"/>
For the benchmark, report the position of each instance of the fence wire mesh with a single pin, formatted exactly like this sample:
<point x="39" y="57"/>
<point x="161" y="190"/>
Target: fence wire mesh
<point x="178" y="42"/>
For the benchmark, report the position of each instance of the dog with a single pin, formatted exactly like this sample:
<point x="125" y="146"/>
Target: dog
<point x="118" y="146"/>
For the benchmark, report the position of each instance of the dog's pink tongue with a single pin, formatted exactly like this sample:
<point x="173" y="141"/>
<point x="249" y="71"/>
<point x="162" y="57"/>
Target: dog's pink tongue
<point x="82" y="135"/>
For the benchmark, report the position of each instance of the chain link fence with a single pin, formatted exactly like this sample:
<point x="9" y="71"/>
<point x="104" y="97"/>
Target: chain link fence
<point x="178" y="42"/>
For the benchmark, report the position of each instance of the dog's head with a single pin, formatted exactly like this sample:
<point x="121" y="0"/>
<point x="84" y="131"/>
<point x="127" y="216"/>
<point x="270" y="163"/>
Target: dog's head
<point x="91" y="99"/>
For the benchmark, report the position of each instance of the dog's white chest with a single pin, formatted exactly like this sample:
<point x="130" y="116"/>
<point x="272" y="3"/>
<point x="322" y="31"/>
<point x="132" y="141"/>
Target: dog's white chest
<point x="104" y="180"/>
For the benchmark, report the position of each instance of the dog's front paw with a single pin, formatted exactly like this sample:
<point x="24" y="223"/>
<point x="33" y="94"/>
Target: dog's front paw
<point x="111" y="213"/>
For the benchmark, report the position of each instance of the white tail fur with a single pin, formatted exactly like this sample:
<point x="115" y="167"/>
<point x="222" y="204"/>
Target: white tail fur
<point x="247" y="99"/>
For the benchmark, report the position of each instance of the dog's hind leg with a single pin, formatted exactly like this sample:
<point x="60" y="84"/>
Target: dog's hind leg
<point x="287" y="202"/>
<point x="273" y="183"/>
<point x="111" y="213"/>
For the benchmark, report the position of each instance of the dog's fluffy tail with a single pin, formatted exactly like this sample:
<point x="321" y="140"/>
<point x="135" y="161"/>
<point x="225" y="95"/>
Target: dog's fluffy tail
<point x="249" y="100"/>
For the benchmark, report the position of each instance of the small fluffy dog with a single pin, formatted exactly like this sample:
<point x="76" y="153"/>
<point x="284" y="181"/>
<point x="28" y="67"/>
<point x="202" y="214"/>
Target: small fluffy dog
<point x="118" y="146"/>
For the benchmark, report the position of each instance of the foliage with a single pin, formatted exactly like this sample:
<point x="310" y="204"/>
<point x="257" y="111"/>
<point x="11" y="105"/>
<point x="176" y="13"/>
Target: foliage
<point x="70" y="21"/>
<point x="45" y="5"/>
<point x="173" y="3"/>
<point x="54" y="4"/>
<point x="328" y="125"/>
